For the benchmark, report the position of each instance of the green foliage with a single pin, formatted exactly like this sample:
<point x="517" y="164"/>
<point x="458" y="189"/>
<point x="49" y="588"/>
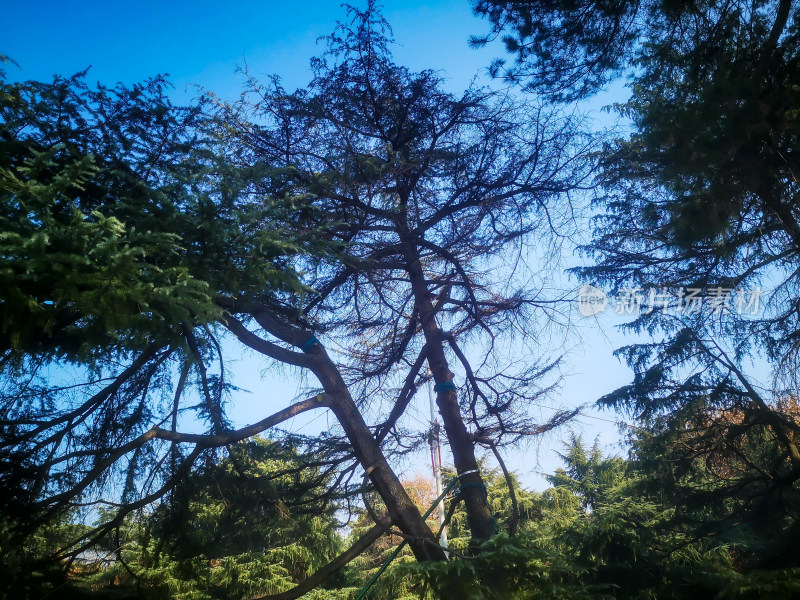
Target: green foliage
<point x="608" y="528"/>
<point x="122" y="222"/>
<point x="564" y="50"/>
<point x="639" y="539"/>
<point x="257" y="521"/>
<point x="78" y="283"/>
<point x="588" y="475"/>
<point x="630" y="541"/>
<point x="28" y="571"/>
<point x="701" y="196"/>
<point x="508" y="569"/>
<point x="124" y="230"/>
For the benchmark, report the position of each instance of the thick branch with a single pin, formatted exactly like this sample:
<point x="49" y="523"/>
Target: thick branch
<point x="207" y="441"/>
<point x="202" y="441"/>
<point x="250" y="339"/>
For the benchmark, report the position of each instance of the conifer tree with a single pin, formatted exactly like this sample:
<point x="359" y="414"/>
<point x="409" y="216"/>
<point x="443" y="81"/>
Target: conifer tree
<point x="701" y="200"/>
<point x="435" y="197"/>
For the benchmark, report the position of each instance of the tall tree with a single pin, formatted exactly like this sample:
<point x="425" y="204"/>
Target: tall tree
<point x="437" y="198"/>
<point x="702" y="200"/>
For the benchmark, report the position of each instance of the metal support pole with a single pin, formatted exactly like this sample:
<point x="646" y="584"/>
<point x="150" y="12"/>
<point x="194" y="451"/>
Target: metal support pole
<point x="436" y="460"/>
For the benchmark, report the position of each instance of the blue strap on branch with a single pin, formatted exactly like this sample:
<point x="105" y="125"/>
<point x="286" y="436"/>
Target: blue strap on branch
<point x="310" y="343"/>
<point x="444" y="386"/>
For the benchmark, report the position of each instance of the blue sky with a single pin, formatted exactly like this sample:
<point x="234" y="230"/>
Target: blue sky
<point x="201" y="43"/>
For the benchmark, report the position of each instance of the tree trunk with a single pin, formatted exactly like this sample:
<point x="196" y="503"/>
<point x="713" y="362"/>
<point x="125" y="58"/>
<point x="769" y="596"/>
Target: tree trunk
<point x="461" y="442"/>
<point x="403" y="512"/>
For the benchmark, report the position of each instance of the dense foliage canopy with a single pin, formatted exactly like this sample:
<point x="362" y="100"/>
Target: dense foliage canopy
<point x="699" y="207"/>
